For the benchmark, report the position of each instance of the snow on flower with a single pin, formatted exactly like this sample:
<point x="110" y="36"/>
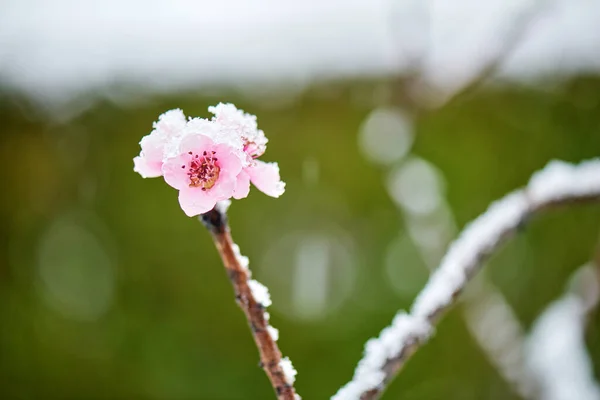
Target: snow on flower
<point x="243" y="125"/>
<point x="168" y="127"/>
<point x="208" y="160"/>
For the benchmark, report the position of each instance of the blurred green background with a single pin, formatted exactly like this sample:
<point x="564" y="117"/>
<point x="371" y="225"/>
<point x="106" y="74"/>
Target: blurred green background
<point x="108" y="291"/>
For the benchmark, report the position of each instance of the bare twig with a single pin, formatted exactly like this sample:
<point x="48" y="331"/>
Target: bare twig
<point x="558" y="184"/>
<point x="278" y="369"/>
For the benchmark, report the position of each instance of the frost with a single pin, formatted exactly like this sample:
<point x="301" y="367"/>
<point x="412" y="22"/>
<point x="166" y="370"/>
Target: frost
<point x="274" y="332"/>
<point x="560" y="179"/>
<point x="260" y="293"/>
<point x="243" y="260"/>
<point x="222" y="207"/>
<point x="480" y="237"/>
<point x="369" y="374"/>
<point x="289" y="372"/>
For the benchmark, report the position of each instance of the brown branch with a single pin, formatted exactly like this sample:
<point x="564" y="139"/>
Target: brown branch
<point x="557" y="190"/>
<point x="270" y="355"/>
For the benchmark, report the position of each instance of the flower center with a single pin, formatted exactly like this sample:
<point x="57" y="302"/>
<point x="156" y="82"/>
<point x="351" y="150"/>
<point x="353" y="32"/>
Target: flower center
<point x="203" y="170"/>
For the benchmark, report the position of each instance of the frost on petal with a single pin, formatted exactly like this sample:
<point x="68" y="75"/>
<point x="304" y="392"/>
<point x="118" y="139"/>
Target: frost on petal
<point x="260" y="293"/>
<point x="242" y="186"/>
<point x="168" y="127"/>
<point x="235" y="123"/>
<point x="146" y="168"/>
<point x="289" y="372"/>
<point x="216" y="156"/>
<point x="265" y="176"/>
<point x="170" y="122"/>
<point x="195" y="201"/>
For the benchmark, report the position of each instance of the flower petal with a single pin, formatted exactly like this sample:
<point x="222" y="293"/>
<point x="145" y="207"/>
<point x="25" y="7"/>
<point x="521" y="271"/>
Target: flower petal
<point x="146" y="169"/>
<point x="265" y="176"/>
<point x="195" y="143"/>
<point x="223" y="188"/>
<point x="230" y="158"/>
<point x="242" y="186"/>
<point x="195" y="201"/>
<point x="174" y="174"/>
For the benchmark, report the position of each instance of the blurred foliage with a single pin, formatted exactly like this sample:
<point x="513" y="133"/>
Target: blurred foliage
<point x="170" y="328"/>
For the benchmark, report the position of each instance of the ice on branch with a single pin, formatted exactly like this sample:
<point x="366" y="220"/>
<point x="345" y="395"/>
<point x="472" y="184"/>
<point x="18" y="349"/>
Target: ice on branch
<point x="556" y="181"/>
<point x="260" y="293"/>
<point x="481" y="236"/>
<point x="384" y="356"/>
<point x="289" y="372"/>
<point x="208" y="160"/>
<point x="243" y="260"/>
<point x="274" y="332"/>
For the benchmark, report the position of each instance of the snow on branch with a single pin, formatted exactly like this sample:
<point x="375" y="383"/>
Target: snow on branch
<point x="557" y="184"/>
<point x="253" y="298"/>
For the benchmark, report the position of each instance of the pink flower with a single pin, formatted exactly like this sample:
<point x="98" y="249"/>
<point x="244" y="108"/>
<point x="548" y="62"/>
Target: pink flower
<point x="208" y="160"/>
<point x="204" y="172"/>
<point x="168" y="127"/>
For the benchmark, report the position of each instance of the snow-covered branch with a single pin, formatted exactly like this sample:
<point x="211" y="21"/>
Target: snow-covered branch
<point x="252" y="297"/>
<point x="557" y="184"/>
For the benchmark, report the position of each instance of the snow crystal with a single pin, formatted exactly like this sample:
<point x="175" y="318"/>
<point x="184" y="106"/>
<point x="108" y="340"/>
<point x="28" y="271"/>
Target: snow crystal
<point x="274" y="332"/>
<point x="368" y="374"/>
<point x="243" y="260"/>
<point x="478" y="238"/>
<point x="289" y="372"/>
<point x="560" y="179"/>
<point x="260" y="293"/>
<point x="222" y="206"/>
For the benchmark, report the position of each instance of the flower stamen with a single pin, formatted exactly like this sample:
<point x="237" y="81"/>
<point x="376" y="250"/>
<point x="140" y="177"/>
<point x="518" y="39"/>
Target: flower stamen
<point x="203" y="171"/>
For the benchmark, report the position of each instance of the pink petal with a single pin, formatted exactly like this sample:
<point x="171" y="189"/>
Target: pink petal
<point x="145" y="168"/>
<point x="153" y="146"/>
<point x="174" y="175"/>
<point x="230" y="159"/>
<point x="195" y="143"/>
<point x="265" y="176"/>
<point x="242" y="186"/>
<point x="195" y="201"/>
<point x="223" y="188"/>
